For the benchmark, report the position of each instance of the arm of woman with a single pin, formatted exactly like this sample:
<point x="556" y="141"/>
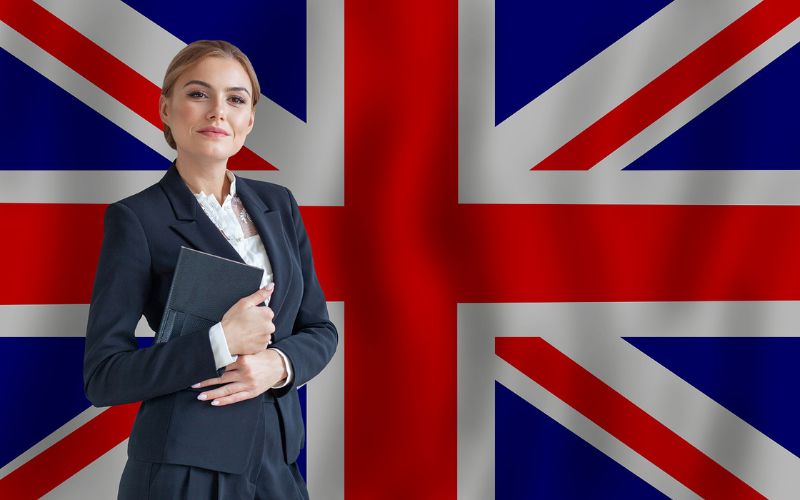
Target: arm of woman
<point x="314" y="337"/>
<point x="115" y="370"/>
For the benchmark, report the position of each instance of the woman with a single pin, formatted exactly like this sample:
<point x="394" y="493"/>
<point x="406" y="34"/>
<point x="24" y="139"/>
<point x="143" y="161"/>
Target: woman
<point x="220" y="416"/>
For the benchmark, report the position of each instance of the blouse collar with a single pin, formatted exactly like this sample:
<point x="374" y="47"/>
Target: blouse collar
<point x="202" y="196"/>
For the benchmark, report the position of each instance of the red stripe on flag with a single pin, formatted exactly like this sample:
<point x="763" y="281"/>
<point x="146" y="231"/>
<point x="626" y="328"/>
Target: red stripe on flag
<point x="72" y="453"/>
<point x="672" y="87"/>
<point x="559" y="253"/>
<point x="574" y="385"/>
<point x="99" y="67"/>
<point x="574" y="253"/>
<point x="57" y="263"/>
<point x="401" y="199"/>
<point x="325" y="227"/>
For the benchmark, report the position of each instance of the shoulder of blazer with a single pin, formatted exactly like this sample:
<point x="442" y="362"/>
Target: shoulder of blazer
<point x="275" y="196"/>
<point x="143" y="198"/>
<point x="147" y="205"/>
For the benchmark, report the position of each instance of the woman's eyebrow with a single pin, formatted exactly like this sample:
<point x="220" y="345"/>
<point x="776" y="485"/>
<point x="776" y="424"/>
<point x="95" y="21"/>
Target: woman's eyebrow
<point x="204" y="84"/>
<point x="233" y="89"/>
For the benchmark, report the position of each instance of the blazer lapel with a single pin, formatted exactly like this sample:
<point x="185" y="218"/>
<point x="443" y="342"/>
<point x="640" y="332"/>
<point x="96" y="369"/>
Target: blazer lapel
<point x="270" y="228"/>
<point x="196" y="228"/>
<point x="192" y="222"/>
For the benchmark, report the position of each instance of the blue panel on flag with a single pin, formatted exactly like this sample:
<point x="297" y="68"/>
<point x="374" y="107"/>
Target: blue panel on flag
<point x="755" y="127"/>
<point x="52" y="130"/>
<point x="301" y="459"/>
<point x="51" y="395"/>
<point x="271" y="32"/>
<point x="536" y="457"/>
<point x="537" y="44"/>
<point x="755" y="378"/>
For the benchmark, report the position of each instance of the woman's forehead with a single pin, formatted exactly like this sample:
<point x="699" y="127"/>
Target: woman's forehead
<point x="217" y="72"/>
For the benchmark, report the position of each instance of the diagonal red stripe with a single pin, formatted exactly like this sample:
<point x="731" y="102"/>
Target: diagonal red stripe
<point x="99" y="67"/>
<point x="672" y="87"/>
<point x="62" y="460"/>
<point x="574" y="385"/>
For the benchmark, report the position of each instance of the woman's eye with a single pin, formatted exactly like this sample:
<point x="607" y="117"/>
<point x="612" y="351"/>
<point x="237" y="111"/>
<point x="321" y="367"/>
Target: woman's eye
<point x="197" y="94"/>
<point x="238" y="100"/>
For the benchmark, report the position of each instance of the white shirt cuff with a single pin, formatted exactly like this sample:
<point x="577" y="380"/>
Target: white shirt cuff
<point x="288" y="366"/>
<point x="219" y="346"/>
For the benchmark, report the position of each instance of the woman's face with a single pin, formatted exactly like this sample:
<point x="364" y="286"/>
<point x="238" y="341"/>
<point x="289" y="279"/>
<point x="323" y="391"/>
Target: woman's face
<point x="209" y="109"/>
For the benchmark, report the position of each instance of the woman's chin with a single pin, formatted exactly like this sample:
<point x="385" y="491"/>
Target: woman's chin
<point x="214" y="154"/>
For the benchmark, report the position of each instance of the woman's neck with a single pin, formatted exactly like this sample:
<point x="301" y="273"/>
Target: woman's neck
<point x="204" y="177"/>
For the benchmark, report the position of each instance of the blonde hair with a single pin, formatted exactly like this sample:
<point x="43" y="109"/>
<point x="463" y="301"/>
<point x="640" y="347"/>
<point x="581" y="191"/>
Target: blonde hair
<point x="191" y="55"/>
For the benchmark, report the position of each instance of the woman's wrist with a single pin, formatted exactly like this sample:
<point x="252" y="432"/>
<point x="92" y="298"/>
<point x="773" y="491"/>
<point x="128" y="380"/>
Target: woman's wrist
<point x="226" y="329"/>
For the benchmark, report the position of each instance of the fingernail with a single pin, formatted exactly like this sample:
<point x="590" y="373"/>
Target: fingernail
<point x="202" y="396"/>
<point x="215" y="403"/>
<point x="195" y="386"/>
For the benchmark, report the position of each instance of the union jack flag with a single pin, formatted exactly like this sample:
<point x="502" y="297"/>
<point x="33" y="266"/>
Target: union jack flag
<point x="561" y="236"/>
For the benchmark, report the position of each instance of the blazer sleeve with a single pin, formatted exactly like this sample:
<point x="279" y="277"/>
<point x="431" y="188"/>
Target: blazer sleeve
<point x="314" y="336"/>
<point x="115" y="370"/>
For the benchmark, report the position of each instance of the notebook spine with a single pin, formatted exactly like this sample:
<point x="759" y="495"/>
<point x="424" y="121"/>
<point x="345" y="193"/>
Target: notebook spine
<point x="168" y="318"/>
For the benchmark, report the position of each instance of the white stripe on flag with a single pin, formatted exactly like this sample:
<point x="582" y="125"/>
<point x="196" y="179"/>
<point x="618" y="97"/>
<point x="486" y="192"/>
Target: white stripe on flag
<point x="52" y="320"/>
<point x="325" y="421"/>
<point x="84" y="186"/>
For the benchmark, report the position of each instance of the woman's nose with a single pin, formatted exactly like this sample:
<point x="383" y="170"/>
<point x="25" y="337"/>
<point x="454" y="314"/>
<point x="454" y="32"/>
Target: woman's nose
<point x="217" y="111"/>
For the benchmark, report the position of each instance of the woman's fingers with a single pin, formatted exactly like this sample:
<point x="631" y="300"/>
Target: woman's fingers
<point x="230" y="375"/>
<point x="228" y="394"/>
<point x="258" y="296"/>
<point x="225" y="390"/>
<point x="233" y="398"/>
<point x="246" y="378"/>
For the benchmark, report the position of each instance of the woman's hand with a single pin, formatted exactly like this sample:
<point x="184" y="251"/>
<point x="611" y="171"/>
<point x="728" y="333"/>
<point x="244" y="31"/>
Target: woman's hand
<point x="247" y="327"/>
<point x="249" y="376"/>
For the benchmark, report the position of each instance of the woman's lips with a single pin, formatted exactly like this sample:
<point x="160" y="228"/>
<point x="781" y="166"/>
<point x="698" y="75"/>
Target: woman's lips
<point x="213" y="132"/>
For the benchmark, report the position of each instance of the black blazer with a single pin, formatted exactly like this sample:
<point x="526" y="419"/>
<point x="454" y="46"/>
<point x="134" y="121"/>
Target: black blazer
<point x="142" y="238"/>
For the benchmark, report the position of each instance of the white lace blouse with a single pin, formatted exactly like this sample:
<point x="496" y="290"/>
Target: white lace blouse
<point x="235" y="223"/>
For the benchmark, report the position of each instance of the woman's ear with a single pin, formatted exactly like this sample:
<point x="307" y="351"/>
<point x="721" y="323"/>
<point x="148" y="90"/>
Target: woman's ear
<point x="252" y="119"/>
<point x="163" y="109"/>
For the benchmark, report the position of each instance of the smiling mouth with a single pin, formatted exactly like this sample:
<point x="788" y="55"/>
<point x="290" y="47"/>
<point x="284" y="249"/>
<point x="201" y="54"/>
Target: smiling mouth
<point x="211" y="133"/>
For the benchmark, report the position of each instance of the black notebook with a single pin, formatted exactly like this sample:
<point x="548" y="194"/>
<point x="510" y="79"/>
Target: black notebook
<point x="203" y="288"/>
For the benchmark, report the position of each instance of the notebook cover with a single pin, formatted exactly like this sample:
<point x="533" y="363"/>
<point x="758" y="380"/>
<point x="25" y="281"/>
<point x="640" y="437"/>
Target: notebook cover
<point x="203" y="288"/>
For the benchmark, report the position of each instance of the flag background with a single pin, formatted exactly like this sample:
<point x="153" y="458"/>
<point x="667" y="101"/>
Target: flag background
<point x="411" y="133"/>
